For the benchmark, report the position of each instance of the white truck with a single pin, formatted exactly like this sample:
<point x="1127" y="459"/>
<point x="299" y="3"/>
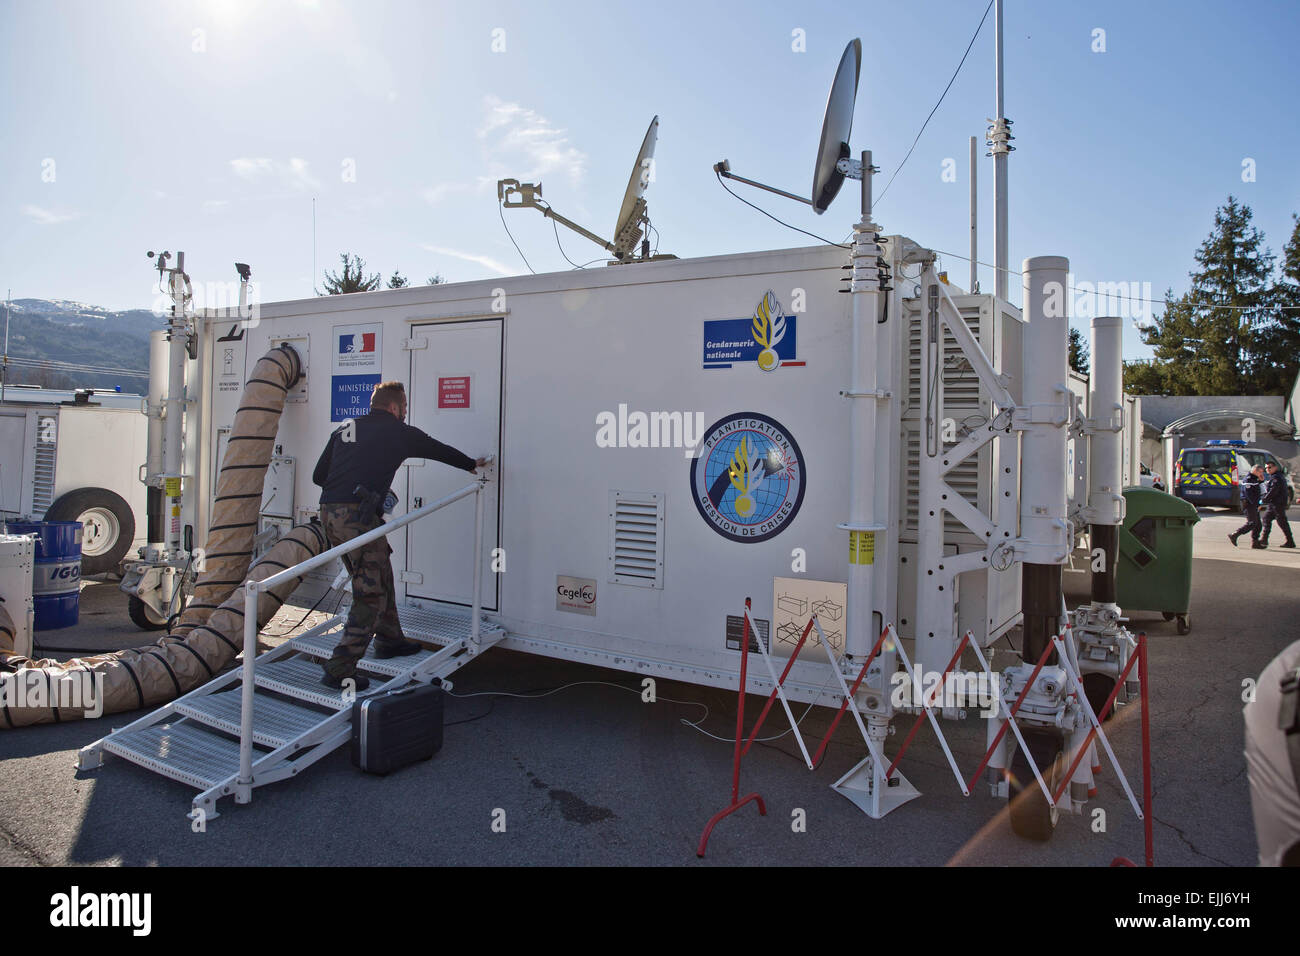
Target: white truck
<point x="75" y="455"/>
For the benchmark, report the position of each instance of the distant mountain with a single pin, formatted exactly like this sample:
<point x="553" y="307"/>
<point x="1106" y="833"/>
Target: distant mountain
<point x="64" y="331"/>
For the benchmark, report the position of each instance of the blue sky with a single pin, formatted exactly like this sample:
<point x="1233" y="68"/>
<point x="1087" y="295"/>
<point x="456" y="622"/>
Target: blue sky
<point x="209" y="126"/>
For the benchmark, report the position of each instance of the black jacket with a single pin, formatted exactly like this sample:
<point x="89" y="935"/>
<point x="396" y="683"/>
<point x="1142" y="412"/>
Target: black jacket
<point x="1275" y="492"/>
<point x="380" y="444"/>
<point x="1251" y="489"/>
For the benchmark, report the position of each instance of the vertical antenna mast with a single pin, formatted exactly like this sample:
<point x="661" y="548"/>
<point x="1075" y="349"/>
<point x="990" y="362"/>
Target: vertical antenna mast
<point x="4" y="372"/>
<point x="974" y="234"/>
<point x="1000" y="140"/>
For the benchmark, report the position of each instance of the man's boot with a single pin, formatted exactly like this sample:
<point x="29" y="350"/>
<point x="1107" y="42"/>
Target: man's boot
<point x="1233" y="539"/>
<point x="385" y="650"/>
<point x="361" y="681"/>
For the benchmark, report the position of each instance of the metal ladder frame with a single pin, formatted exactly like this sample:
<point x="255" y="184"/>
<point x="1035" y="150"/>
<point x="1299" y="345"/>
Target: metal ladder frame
<point x="333" y="730"/>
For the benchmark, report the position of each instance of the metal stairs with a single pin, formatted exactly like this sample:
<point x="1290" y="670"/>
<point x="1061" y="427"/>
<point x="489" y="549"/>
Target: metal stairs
<point x="297" y="720"/>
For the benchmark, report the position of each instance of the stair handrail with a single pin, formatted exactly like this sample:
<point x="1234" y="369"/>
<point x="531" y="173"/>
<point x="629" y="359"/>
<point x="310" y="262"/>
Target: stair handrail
<point x="253" y="588"/>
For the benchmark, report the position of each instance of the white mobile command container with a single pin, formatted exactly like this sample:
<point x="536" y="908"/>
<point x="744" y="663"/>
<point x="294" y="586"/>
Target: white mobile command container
<point x="616" y="400"/>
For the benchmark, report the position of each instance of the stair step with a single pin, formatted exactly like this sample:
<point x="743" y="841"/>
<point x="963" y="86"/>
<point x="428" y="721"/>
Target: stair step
<point x="183" y="750"/>
<point x="300" y="678"/>
<point x="322" y="646"/>
<point x="440" y="623"/>
<point x="275" y="721"/>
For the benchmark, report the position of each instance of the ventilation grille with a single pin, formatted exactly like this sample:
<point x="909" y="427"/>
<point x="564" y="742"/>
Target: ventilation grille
<point x="44" y="460"/>
<point x="636" y="538"/>
<point x="964" y="401"/>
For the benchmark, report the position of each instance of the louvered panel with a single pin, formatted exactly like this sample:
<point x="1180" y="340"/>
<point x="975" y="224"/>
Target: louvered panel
<point x="44" y="459"/>
<point x="636" y="538"/>
<point x="964" y="401"/>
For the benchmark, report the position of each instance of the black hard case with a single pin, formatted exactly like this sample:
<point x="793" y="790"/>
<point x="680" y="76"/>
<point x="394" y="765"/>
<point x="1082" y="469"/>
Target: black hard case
<point x="397" y="728"/>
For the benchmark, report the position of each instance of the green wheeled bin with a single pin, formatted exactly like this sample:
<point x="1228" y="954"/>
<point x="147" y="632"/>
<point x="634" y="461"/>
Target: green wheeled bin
<point x="1155" y="555"/>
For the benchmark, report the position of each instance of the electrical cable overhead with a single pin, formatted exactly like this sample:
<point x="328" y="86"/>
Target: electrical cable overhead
<point x="936" y="105"/>
<point x="814" y="235"/>
<point x="556" y="230"/>
<point x="56" y="365"/>
<point x="502" y="213"/>
<point x="1129" y="298"/>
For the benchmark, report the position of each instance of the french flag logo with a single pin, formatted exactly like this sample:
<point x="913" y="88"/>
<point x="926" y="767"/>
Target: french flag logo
<point x="348" y="343"/>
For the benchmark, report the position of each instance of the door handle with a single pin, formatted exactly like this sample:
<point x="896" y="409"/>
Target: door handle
<point x="419" y="502"/>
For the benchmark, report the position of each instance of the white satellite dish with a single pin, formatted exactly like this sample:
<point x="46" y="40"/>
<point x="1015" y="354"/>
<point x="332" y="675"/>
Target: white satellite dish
<point x="631" y="216"/>
<point x="632" y="212"/>
<point x="835" y="161"/>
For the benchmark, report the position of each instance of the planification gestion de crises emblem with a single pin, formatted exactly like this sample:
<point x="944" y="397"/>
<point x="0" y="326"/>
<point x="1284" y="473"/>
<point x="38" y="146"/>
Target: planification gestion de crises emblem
<point x="748" y="480"/>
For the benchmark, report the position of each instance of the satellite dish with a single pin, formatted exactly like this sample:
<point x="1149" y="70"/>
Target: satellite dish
<point x="512" y="194"/>
<point x="628" y="228"/>
<point x="836" y="128"/>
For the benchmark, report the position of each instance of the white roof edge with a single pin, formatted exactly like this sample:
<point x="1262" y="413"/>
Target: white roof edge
<point x="760" y="262"/>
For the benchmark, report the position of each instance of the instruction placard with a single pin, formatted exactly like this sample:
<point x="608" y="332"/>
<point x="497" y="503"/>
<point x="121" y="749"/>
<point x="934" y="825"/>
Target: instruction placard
<point x="453" y="391"/>
<point x="736" y="630"/>
<point x="795" y="601"/>
<point x="862" y="547"/>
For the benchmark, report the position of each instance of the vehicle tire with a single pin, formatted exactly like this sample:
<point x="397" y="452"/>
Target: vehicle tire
<point x="1031" y="817"/>
<point x="108" y="526"/>
<point x="143" y="615"/>
<point x="1097" y="688"/>
<point x="1168" y="615"/>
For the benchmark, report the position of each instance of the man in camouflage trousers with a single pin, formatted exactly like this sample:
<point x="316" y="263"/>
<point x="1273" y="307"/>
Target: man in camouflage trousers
<point x="354" y="473"/>
<point x="374" y="608"/>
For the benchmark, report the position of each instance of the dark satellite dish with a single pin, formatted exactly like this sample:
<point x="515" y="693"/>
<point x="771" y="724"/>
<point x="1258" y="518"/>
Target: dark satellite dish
<point x="628" y="228"/>
<point x="836" y="127"/>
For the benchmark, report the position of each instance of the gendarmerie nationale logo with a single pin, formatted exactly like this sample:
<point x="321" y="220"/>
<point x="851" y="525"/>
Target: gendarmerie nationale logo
<point x="748" y="480"/>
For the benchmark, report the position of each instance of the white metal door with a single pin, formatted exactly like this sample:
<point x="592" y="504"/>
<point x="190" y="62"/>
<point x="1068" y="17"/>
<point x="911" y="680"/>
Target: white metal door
<point x="455" y="396"/>
<point x="13" y="449"/>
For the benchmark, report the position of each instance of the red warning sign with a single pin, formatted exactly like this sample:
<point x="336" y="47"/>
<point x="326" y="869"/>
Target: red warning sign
<point x="453" y="392"/>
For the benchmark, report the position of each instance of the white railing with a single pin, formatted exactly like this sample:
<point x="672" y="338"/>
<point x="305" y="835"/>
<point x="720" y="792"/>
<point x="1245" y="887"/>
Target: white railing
<point x="254" y="588"/>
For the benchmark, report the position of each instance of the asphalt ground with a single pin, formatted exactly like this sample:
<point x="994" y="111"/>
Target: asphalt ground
<point x="591" y="775"/>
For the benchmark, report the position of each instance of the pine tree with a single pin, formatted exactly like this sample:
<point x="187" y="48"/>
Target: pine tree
<point x="1143" y="377"/>
<point x="435" y="280"/>
<point x="1210" y="341"/>
<point x="398" y="281"/>
<point x="1280" y="338"/>
<point x="352" y="279"/>
<point x="1079" y="360"/>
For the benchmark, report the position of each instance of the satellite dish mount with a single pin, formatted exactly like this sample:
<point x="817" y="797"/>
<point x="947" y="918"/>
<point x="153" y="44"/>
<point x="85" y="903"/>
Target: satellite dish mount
<point x="632" y="215"/>
<point x="835" y="162"/>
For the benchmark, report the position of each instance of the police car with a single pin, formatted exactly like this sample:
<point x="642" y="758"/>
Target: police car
<point x="1211" y="474"/>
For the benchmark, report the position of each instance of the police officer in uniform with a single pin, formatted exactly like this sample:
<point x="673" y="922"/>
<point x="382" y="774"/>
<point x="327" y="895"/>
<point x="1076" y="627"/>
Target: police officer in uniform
<point x="1251" y="489"/>
<point x="354" y="473"/>
<point x="1276" y="495"/>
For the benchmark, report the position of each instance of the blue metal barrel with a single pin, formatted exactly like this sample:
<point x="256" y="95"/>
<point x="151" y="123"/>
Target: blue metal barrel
<point x="56" y="578"/>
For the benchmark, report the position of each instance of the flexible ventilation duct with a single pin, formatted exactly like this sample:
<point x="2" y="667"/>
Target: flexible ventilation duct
<point x="208" y="635"/>
<point x="229" y="547"/>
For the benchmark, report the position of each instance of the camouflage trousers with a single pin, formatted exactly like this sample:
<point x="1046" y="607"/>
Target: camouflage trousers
<point x="374" y="600"/>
